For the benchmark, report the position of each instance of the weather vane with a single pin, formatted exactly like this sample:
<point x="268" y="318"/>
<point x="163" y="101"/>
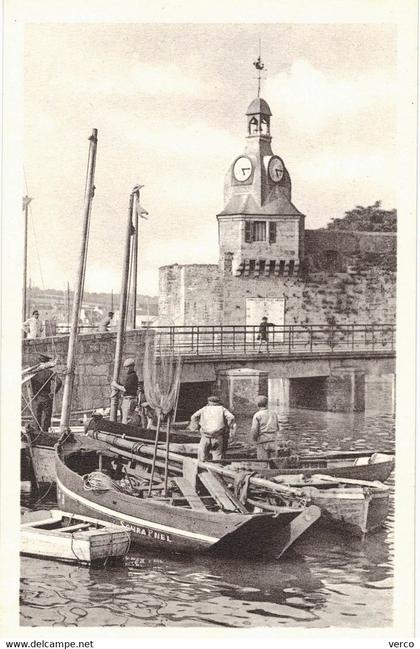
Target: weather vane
<point x="259" y="65"/>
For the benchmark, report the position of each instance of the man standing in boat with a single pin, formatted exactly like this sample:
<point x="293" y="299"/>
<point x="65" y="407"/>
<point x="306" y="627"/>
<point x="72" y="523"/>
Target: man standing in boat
<point x="42" y="399"/>
<point x="128" y="390"/>
<point x="213" y="420"/>
<point x="265" y="429"/>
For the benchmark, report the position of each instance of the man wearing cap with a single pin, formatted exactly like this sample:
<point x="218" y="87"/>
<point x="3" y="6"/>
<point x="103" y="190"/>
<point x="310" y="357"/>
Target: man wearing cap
<point x="33" y="326"/>
<point x="213" y="420"/>
<point x="264" y="429"/>
<point x="42" y="399"/>
<point x="129" y="391"/>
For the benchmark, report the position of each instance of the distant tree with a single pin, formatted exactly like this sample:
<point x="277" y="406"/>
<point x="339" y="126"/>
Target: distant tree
<point x="366" y="219"/>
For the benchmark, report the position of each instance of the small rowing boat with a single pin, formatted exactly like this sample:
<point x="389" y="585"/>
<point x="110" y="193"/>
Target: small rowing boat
<point x="72" y="538"/>
<point x="352" y="507"/>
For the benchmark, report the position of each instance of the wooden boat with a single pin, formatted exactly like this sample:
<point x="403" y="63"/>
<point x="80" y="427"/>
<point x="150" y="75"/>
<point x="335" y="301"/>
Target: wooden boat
<point x="357" y="465"/>
<point x="196" y="514"/>
<point x="352" y="507"/>
<point x="72" y="538"/>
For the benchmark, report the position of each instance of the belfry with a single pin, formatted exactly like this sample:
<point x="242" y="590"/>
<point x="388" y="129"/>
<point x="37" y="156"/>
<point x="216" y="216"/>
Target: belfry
<point x="261" y="232"/>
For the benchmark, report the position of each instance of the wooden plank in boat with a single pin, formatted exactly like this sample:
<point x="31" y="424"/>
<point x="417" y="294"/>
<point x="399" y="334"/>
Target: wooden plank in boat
<point x="188" y="492"/>
<point x="73" y="528"/>
<point x="217" y="488"/>
<point x="190" y="470"/>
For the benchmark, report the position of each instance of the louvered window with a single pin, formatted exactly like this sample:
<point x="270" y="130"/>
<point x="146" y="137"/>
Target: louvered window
<point x="272" y="232"/>
<point x="259" y="231"/>
<point x="248" y="232"/>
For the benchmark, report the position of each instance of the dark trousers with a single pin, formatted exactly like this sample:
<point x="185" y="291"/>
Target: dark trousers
<point x="42" y="406"/>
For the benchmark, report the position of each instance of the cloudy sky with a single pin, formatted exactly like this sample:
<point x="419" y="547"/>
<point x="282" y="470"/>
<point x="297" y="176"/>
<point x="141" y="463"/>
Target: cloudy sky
<point x="169" y="103"/>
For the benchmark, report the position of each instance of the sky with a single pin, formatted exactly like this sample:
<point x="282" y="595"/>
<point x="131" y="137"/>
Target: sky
<point x="169" y="103"/>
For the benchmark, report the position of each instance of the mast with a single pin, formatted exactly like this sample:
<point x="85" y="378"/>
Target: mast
<point x="25" y="205"/>
<point x="79" y="284"/>
<point x="123" y="306"/>
<point x="135" y="255"/>
<point x="68" y="304"/>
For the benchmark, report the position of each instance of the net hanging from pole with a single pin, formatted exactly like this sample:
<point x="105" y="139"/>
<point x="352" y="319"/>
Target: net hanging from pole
<point x="161" y="375"/>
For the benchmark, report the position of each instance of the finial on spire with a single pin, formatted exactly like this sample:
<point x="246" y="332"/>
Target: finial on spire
<point x="259" y="65"/>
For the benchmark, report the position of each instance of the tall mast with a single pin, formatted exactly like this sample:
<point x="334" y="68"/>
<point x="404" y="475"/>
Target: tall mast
<point x="133" y="202"/>
<point x="68" y="304"/>
<point x="123" y="305"/>
<point x="135" y="255"/>
<point x="25" y="205"/>
<point x="79" y="284"/>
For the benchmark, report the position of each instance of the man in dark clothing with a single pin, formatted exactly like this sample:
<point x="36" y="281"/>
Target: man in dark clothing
<point x="263" y="333"/>
<point x="129" y="391"/>
<point x="41" y="385"/>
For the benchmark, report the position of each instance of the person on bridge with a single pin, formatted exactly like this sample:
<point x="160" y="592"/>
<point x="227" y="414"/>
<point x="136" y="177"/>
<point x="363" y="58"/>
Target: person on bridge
<point x="41" y="384"/>
<point x="105" y="323"/>
<point x="265" y="429"/>
<point x="263" y="333"/>
<point x="33" y="326"/>
<point x="214" y="420"/>
<point x="129" y="391"/>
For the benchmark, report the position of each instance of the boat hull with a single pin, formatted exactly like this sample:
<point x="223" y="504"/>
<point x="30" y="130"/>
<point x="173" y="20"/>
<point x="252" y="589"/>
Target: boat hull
<point x="89" y="546"/>
<point x="158" y="525"/>
<point x="355" y="469"/>
<point x="351" y="512"/>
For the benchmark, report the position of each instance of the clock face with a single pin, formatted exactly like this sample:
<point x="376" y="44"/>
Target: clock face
<point x="275" y="169"/>
<point x="242" y="169"/>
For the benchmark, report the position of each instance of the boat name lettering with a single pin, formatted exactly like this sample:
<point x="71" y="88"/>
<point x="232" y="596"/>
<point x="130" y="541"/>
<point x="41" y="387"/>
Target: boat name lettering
<point x="145" y="531"/>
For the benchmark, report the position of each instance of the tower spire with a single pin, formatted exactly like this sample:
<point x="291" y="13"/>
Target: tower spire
<point x="259" y="65"/>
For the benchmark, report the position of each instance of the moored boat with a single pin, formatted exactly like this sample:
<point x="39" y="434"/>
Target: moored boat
<point x="187" y="518"/>
<point x="64" y="536"/>
<point x="352" y="507"/>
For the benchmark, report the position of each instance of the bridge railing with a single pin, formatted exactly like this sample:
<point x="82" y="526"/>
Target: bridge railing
<point x="287" y="339"/>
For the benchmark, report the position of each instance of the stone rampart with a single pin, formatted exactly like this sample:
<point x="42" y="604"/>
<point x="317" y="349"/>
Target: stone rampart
<point x="94" y="363"/>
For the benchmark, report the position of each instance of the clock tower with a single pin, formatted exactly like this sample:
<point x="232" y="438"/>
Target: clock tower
<point x="261" y="232"/>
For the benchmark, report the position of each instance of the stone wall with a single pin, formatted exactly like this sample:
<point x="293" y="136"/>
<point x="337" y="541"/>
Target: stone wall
<point x="360" y="297"/>
<point x="350" y="277"/>
<point x="337" y="249"/>
<point x="94" y="363"/>
<point x="190" y="295"/>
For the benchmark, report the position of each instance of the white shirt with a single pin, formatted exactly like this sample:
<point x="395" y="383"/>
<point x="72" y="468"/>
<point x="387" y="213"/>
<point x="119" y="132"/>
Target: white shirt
<point x="213" y="419"/>
<point x="34" y="327"/>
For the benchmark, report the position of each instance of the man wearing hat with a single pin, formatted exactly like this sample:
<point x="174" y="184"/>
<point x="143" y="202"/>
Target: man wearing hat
<point x="42" y="383"/>
<point x="264" y="429"/>
<point x="213" y="420"/>
<point x="33" y="326"/>
<point x="129" y="391"/>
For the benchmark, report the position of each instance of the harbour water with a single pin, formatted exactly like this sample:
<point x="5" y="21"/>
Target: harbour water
<point x="327" y="581"/>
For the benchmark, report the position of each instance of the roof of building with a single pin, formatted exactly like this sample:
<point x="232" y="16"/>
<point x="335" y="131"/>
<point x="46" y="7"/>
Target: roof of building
<point x="246" y="204"/>
<point x="258" y="105"/>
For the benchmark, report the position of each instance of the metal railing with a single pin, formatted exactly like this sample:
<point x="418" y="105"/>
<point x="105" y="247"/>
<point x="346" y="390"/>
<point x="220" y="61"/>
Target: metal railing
<point x="281" y="339"/>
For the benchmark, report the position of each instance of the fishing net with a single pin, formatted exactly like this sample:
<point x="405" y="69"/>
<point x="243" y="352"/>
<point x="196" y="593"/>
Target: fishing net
<point x="161" y="375"/>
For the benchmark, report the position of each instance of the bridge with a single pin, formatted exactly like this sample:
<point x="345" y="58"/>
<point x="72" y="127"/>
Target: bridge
<point x="285" y="340"/>
<point x="323" y="366"/>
